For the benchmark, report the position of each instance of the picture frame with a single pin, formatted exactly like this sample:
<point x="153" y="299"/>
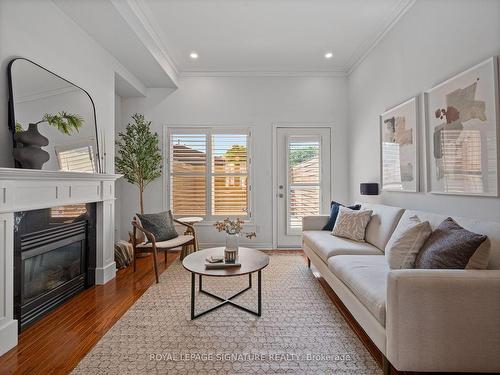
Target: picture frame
<point x="461" y="132"/>
<point x="399" y="147"/>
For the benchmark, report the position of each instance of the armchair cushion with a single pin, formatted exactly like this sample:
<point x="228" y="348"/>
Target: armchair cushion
<point x="161" y="225"/>
<point x="170" y="244"/>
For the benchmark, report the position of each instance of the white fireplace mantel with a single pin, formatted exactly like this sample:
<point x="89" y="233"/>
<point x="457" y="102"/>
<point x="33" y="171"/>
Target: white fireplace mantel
<point x="25" y="189"/>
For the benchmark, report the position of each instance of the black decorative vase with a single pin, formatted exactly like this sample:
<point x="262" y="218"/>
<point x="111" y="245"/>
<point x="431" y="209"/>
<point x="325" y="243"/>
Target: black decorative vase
<point x="28" y="151"/>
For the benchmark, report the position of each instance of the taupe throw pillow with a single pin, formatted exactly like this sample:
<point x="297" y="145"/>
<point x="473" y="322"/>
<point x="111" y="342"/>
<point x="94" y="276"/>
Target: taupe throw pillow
<point x="405" y="245"/>
<point x="161" y="225"/>
<point x="352" y="224"/>
<point x="449" y="247"/>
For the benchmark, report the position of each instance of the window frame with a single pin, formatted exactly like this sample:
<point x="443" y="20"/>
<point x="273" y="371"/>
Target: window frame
<point x="70" y="146"/>
<point x="209" y="131"/>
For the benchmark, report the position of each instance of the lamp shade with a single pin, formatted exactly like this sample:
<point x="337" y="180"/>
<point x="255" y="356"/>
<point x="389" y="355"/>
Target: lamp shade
<point x="368" y="188"/>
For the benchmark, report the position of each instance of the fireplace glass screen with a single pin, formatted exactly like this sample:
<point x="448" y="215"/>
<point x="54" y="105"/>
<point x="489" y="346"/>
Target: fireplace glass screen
<point x="46" y="271"/>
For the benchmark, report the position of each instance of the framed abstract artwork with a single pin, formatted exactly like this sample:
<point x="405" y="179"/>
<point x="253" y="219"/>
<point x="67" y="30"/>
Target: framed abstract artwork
<point x="461" y="133"/>
<point x="399" y="148"/>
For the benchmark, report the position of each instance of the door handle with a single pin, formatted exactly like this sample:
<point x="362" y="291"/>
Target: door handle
<point x="280" y="195"/>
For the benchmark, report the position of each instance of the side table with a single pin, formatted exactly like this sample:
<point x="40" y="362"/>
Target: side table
<point x="191" y="220"/>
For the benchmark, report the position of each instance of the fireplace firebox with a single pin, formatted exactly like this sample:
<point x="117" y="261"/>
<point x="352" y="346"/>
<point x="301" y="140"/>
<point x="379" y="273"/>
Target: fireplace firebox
<point x="54" y="258"/>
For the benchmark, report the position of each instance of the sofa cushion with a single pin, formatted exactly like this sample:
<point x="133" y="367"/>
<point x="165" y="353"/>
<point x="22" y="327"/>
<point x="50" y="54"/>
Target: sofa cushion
<point x="325" y="245"/>
<point x="366" y="278"/>
<point x="449" y="247"/>
<point x="405" y="244"/>
<point x="352" y="224"/>
<point x="384" y="221"/>
<point x="488" y="254"/>
<point x="334" y="212"/>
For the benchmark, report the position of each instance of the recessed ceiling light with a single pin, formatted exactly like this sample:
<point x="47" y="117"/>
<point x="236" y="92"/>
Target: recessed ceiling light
<point x="193" y="55"/>
<point x="328" y="55"/>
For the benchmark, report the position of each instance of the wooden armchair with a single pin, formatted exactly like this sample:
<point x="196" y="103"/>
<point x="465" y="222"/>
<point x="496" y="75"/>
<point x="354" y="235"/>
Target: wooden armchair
<point x="153" y="246"/>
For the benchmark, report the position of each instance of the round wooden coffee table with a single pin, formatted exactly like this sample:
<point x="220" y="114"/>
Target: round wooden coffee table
<point x="251" y="261"/>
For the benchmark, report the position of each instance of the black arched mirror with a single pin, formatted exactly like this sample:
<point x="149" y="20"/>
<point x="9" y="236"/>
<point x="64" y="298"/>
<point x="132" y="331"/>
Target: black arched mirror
<point x="52" y="121"/>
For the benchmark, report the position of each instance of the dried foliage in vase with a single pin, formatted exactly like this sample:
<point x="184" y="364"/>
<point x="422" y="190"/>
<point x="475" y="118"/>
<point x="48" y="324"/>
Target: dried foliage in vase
<point x="233" y="227"/>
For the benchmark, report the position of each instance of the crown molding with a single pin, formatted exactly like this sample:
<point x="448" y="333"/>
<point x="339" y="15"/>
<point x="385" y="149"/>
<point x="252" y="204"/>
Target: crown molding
<point x="263" y="73"/>
<point x="399" y="10"/>
<point x="135" y="14"/>
<point x="141" y="19"/>
<point x="44" y="94"/>
<point x="120" y="68"/>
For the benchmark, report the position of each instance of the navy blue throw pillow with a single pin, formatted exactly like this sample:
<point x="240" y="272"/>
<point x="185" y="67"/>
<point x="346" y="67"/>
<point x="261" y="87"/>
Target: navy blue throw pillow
<point x="334" y="212"/>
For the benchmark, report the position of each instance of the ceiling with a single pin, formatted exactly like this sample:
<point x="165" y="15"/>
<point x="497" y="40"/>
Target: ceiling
<point x="270" y="36"/>
<point x="153" y="38"/>
<point x="102" y="20"/>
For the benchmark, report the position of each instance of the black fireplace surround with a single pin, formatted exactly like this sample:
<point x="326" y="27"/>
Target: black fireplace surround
<point x="54" y="258"/>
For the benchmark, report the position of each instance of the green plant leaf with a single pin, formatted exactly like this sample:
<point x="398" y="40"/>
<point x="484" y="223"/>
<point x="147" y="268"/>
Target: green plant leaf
<point x="65" y="122"/>
<point x="138" y="156"/>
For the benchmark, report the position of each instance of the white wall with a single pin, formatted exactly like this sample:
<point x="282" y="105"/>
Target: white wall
<point x="40" y="31"/>
<point x="250" y="101"/>
<point x="435" y="40"/>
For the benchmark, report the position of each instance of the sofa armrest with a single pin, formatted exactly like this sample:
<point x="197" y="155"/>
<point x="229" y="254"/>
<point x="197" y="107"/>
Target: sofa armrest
<point x="443" y="320"/>
<point x="314" y="222"/>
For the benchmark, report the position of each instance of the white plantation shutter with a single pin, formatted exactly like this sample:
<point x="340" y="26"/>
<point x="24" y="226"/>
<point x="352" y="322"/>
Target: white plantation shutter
<point x="188" y="161"/>
<point x="304" y="179"/>
<point x="188" y="153"/>
<point x="79" y="159"/>
<point x="229" y="175"/>
<point x="208" y="173"/>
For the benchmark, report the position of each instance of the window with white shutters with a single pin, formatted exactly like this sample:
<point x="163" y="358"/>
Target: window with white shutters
<point x="209" y="172"/>
<point x="79" y="159"/>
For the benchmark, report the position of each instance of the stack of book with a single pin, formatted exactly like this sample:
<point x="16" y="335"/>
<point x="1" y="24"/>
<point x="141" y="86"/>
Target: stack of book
<point x="217" y="262"/>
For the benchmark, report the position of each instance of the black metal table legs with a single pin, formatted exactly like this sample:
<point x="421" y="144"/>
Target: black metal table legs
<point x="225" y="301"/>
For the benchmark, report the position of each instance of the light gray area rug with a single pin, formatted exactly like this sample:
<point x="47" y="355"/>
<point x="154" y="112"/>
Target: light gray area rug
<point x="300" y="330"/>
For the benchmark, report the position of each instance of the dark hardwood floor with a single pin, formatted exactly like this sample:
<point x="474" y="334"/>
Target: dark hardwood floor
<point x="56" y="343"/>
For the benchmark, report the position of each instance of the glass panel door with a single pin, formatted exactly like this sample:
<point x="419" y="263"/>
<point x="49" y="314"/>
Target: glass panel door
<point x="303" y="180"/>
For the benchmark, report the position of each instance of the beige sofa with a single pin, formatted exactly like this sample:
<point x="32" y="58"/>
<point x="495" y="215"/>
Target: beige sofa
<point x="421" y="320"/>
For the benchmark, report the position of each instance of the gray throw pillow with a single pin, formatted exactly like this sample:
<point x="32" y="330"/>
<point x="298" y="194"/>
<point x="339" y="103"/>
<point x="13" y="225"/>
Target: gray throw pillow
<point x="449" y="247"/>
<point x="161" y="225"/>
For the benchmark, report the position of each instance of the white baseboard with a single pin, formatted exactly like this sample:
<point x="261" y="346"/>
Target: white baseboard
<point x="8" y="334"/>
<point x="103" y="275"/>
